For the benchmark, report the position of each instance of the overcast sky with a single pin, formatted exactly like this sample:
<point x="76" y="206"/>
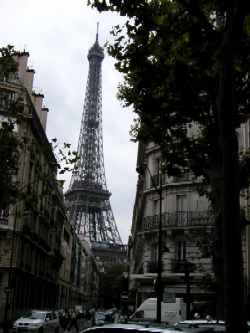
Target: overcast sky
<point x="58" y="35"/>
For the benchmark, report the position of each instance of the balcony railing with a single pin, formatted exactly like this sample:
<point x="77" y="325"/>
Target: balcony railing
<point x="155" y="179"/>
<point x="179" y="219"/>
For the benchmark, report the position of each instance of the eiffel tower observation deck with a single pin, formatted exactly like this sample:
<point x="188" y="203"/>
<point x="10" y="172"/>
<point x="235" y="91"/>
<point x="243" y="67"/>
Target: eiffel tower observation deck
<point x="87" y="199"/>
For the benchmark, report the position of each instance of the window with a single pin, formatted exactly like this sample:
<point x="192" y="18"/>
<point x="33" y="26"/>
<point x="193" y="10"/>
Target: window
<point x="181" y="201"/>
<point x="154" y="252"/>
<point x="157" y="166"/>
<point x="181" y="207"/>
<point x="181" y="250"/>
<point x="154" y="207"/>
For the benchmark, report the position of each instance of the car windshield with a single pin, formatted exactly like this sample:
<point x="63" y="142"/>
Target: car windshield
<point x="37" y="315"/>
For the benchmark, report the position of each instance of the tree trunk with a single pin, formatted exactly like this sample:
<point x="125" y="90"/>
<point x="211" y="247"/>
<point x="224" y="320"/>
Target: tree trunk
<point x="218" y="264"/>
<point x="231" y="230"/>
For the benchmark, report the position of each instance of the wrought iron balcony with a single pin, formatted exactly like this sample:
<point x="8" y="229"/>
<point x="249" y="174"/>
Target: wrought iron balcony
<point x="180" y="219"/>
<point x="155" y="179"/>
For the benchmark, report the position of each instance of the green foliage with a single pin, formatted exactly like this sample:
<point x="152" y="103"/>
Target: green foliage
<point x="186" y="63"/>
<point x="7" y="63"/>
<point x="9" y="143"/>
<point x="170" y="59"/>
<point x="66" y="158"/>
<point x="9" y="154"/>
<point x="112" y="284"/>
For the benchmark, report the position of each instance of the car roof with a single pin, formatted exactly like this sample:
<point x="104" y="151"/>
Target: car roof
<point x="42" y="311"/>
<point x="201" y="321"/>
<point x="133" y="327"/>
<point x="128" y="326"/>
<point x="159" y="329"/>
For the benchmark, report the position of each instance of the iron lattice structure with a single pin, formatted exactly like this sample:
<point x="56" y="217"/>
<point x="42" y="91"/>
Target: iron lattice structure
<point x="88" y="197"/>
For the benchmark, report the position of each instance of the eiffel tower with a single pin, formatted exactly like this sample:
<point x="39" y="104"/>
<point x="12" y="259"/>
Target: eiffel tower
<point x="87" y="199"/>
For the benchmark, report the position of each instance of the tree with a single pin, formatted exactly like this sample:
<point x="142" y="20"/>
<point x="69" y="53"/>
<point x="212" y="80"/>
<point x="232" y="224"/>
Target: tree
<point x="186" y="64"/>
<point x="8" y="164"/>
<point x="66" y="158"/>
<point x="8" y="65"/>
<point x="112" y="284"/>
<point x="9" y="143"/>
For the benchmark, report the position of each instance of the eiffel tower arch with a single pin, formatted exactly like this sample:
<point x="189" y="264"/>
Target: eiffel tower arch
<point x="87" y="198"/>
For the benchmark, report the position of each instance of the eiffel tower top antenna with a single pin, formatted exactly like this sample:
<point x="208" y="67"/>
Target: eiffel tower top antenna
<point x="97" y="31"/>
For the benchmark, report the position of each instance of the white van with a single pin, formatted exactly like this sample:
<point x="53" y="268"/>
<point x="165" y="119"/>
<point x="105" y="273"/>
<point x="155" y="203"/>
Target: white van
<point x="171" y="313"/>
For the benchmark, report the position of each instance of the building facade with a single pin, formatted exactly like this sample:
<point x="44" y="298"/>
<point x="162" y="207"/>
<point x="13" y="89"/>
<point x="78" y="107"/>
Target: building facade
<point x="30" y="241"/>
<point x="41" y="258"/>
<point x="188" y="236"/>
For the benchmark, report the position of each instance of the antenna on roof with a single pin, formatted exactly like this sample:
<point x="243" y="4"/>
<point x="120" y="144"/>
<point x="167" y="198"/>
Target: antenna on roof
<point x="97" y="31"/>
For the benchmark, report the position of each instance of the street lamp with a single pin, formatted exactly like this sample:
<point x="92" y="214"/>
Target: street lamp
<point x="158" y="189"/>
<point x="187" y="270"/>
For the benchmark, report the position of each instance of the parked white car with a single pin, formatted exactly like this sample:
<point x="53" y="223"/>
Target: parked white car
<point x="196" y="324"/>
<point x="39" y="321"/>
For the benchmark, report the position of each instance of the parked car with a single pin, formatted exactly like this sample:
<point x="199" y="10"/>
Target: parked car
<point x="201" y="325"/>
<point x="128" y="328"/>
<point x="100" y="318"/>
<point x="104" y="317"/>
<point x="40" y="321"/>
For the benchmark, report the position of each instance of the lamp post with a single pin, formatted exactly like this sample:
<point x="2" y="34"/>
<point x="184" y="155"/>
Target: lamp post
<point x="159" y="275"/>
<point x="159" y="264"/>
<point x="187" y="269"/>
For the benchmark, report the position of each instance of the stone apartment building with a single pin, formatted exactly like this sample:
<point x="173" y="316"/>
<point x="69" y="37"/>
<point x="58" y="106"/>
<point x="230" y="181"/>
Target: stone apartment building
<point x="90" y="281"/>
<point x="187" y="230"/>
<point x="36" y="240"/>
<point x="30" y="243"/>
<point x="79" y="274"/>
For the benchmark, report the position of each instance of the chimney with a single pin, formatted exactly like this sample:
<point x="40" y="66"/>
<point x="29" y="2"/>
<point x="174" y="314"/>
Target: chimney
<point x="22" y="61"/>
<point x="38" y="102"/>
<point x="28" y="79"/>
<point x="44" y="114"/>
